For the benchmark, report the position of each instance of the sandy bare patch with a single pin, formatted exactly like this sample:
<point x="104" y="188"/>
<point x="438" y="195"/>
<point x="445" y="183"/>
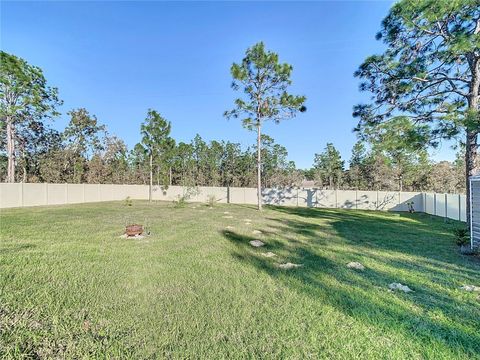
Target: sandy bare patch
<point x="136" y="237"/>
<point x="256" y="232"/>
<point x="289" y="265"/>
<point x="227" y="217"/>
<point x="229" y="227"/>
<point x="247" y="220"/>
<point x="257" y="243"/>
<point x="226" y="212"/>
<point x="269" y="254"/>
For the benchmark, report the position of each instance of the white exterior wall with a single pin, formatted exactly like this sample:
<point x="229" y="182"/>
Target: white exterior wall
<point x="475" y="212"/>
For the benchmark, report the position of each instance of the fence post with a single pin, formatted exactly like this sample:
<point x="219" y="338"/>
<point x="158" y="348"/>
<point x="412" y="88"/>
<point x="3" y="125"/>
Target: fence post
<point x="83" y="193"/>
<point x="336" y="199"/>
<point x="435" y="204"/>
<point x="21" y="195"/>
<point x="46" y="194"/>
<point x="297" y="196"/>
<point x="446" y="207"/>
<point x="459" y="207"/>
<point x="356" y="199"/>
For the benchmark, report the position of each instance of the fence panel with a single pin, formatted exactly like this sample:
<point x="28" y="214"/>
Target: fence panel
<point x="56" y="193"/>
<point x="35" y="194"/>
<point x="11" y="195"/>
<point x="451" y="206"/>
<point x="75" y="194"/>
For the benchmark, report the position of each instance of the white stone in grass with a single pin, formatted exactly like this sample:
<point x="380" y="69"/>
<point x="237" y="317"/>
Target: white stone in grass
<point x="257" y="243"/>
<point x="269" y="254"/>
<point x="470" y="288"/>
<point x="229" y="227"/>
<point x="355" y="265"/>
<point x="226" y="212"/>
<point x="247" y="220"/>
<point x="398" y="286"/>
<point x="289" y="265"/>
<point x="256" y="232"/>
<point x="228" y="217"/>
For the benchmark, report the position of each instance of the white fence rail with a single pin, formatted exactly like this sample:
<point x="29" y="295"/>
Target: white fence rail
<point x="26" y="194"/>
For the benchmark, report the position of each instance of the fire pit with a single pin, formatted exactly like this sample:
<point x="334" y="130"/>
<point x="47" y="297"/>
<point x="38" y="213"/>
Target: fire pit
<point x="134" y="230"/>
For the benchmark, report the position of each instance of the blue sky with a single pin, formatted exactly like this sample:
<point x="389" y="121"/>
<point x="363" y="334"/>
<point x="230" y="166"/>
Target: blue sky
<point x="117" y="59"/>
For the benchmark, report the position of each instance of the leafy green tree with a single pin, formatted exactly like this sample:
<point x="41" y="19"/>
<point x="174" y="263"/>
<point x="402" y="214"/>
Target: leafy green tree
<point x="329" y="166"/>
<point x="84" y="136"/>
<point x="429" y="74"/>
<point x="264" y="82"/>
<point x="402" y="143"/>
<point x="24" y="96"/>
<point x="155" y="132"/>
<point x="34" y="139"/>
<point x="356" y="172"/>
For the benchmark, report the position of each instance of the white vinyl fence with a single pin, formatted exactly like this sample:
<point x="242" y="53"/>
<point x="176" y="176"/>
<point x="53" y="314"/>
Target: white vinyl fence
<point x="26" y="194"/>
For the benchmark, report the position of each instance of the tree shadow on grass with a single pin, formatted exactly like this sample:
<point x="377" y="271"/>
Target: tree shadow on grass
<point x="364" y="295"/>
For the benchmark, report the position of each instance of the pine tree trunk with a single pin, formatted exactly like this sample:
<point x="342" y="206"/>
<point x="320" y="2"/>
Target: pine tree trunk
<point x="471" y="146"/>
<point x="151" y="179"/>
<point x="470" y="162"/>
<point x="10" y="151"/>
<point x="259" y="168"/>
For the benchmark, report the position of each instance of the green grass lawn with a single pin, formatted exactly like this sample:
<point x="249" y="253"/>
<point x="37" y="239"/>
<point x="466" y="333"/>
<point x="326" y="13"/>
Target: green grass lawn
<point x="71" y="288"/>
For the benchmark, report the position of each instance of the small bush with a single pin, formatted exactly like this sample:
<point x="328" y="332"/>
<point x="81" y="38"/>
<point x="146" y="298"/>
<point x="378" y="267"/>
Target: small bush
<point x="128" y="201"/>
<point x="462" y="236"/>
<point x="411" y="209"/>
<point x="180" y="201"/>
<point x="211" y="200"/>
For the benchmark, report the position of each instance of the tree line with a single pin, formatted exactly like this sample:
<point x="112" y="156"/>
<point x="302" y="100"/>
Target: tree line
<point x="85" y="152"/>
<point x="423" y="89"/>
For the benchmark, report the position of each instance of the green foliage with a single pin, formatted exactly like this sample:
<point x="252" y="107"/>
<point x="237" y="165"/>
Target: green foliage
<point x="128" y="201"/>
<point x="329" y="167"/>
<point x="426" y="83"/>
<point x="24" y="91"/>
<point x="25" y="102"/>
<point x="157" y="144"/>
<point x="83" y="134"/>
<point x="264" y="82"/>
<point x="188" y="193"/>
<point x="462" y="236"/>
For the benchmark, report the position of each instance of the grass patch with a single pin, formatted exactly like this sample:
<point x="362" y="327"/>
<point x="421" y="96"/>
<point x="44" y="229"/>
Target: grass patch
<point x="71" y="288"/>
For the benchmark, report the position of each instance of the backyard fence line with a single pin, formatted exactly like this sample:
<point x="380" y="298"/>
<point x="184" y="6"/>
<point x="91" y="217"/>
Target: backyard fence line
<point x="451" y="206"/>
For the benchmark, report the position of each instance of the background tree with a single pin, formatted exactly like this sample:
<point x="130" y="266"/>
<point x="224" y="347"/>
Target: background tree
<point x="155" y="132"/>
<point x="24" y="97"/>
<point x="356" y="173"/>
<point x="329" y="167"/>
<point x="429" y="74"/>
<point x="84" y="137"/>
<point x="264" y="82"/>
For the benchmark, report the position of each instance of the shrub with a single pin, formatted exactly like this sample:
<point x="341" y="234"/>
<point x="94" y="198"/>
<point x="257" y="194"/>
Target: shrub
<point x="462" y="237"/>
<point x="128" y="201"/>
<point x="180" y="201"/>
<point x="211" y="200"/>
